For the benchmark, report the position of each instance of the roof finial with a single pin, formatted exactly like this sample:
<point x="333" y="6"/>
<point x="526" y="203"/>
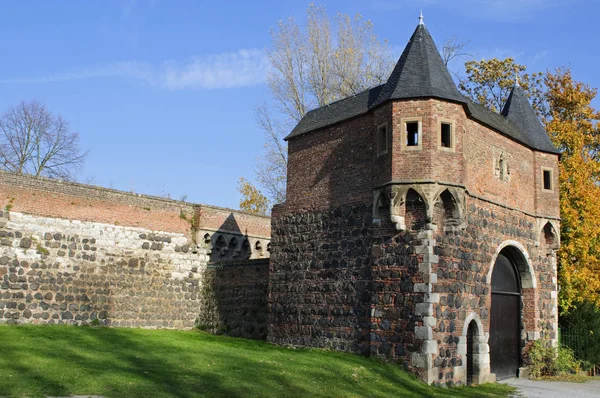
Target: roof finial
<point x="517" y="80"/>
<point x="421" y="18"/>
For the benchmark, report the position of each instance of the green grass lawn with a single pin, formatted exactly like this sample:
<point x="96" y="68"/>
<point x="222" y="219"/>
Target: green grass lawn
<point x="68" y="360"/>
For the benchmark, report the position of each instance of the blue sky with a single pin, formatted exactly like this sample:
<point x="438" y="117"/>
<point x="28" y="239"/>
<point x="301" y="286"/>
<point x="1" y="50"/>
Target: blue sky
<point x="163" y="92"/>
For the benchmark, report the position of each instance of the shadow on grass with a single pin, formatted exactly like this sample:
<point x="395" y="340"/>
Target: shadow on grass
<point x="47" y="360"/>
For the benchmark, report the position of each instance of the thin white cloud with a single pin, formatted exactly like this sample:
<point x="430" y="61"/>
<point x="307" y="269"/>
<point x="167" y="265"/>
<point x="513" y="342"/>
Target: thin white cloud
<point x="227" y="70"/>
<point x="243" y="68"/>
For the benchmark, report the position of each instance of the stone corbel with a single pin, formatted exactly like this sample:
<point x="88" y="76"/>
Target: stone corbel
<point x="397" y="195"/>
<point x="392" y="198"/>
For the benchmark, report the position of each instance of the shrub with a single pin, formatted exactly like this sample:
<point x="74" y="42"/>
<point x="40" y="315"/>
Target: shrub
<point x="545" y="360"/>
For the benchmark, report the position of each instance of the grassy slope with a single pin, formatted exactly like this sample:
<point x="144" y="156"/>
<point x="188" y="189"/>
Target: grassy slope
<point x="63" y="360"/>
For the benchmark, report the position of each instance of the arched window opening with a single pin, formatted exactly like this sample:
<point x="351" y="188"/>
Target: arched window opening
<point x="382" y="206"/>
<point x="245" y="252"/>
<point x="221" y="246"/>
<point x="416" y="215"/>
<point x="445" y="211"/>
<point x="549" y="238"/>
<point x="233" y="247"/>
<point x="258" y="248"/>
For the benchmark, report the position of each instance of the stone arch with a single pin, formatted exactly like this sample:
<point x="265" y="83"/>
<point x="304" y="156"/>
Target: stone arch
<point x="549" y="238"/>
<point x="473" y="317"/>
<point x="416" y="210"/>
<point x="258" y="248"/>
<point x="519" y="255"/>
<point x="475" y="351"/>
<point x="245" y="251"/>
<point x="220" y="245"/>
<point x="233" y="247"/>
<point x="382" y="205"/>
<point x="207" y="240"/>
<point x="446" y="210"/>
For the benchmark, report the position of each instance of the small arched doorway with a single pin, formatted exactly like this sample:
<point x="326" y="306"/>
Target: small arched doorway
<point x="471" y="333"/>
<point x="505" y="318"/>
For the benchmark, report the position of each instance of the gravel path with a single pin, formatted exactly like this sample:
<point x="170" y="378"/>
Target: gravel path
<point x="555" y="389"/>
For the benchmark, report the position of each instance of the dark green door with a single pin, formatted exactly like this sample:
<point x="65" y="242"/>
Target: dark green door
<point x="505" y="319"/>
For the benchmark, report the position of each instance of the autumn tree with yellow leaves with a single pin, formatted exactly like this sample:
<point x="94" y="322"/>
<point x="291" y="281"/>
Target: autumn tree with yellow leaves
<point x="572" y="125"/>
<point x="488" y="82"/>
<point x="252" y="200"/>
<point x="564" y="106"/>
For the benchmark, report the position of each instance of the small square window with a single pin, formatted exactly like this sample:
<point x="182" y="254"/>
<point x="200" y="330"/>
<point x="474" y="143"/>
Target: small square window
<point x="446" y="135"/>
<point x="547" y="176"/>
<point x="382" y="140"/>
<point x="412" y="133"/>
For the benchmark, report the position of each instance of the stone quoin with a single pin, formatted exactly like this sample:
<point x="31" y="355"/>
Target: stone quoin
<point x="418" y="227"/>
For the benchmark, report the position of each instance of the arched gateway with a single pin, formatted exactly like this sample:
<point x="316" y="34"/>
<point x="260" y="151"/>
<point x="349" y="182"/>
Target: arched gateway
<point x="505" y="318"/>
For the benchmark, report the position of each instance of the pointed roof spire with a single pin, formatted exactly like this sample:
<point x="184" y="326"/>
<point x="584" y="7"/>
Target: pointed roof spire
<point x="421" y="18"/>
<point x="517" y="81"/>
<point x="519" y="111"/>
<point x="420" y="72"/>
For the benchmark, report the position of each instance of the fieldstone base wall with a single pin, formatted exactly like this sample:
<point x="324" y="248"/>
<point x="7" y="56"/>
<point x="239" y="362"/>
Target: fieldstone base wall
<point x="67" y="271"/>
<point x="320" y="279"/>
<point x="343" y="280"/>
<point x="234" y="299"/>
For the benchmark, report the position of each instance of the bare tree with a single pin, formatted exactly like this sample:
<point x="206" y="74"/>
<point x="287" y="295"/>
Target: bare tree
<point x="33" y="141"/>
<point x="454" y="47"/>
<point x="313" y="67"/>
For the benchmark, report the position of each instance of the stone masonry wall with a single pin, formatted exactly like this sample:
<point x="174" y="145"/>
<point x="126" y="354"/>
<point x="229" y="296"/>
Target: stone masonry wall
<point x="68" y="271"/>
<point x="234" y="299"/>
<point x="319" y="288"/>
<point x="74" y="253"/>
<point x="463" y="287"/>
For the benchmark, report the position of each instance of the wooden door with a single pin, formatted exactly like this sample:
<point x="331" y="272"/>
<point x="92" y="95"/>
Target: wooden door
<point x="505" y="319"/>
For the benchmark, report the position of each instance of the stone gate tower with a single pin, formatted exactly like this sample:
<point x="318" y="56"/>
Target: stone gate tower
<point x="418" y="227"/>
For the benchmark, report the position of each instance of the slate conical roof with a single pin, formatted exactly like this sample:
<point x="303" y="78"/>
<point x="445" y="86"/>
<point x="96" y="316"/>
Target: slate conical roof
<point x="519" y="111"/>
<point x="420" y="72"/>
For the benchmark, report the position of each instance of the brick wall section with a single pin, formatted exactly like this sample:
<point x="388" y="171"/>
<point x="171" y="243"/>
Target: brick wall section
<point x="226" y="220"/>
<point x="523" y="188"/>
<point x="428" y="162"/>
<point x="331" y="166"/>
<point x="54" y="198"/>
<point x="382" y="165"/>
